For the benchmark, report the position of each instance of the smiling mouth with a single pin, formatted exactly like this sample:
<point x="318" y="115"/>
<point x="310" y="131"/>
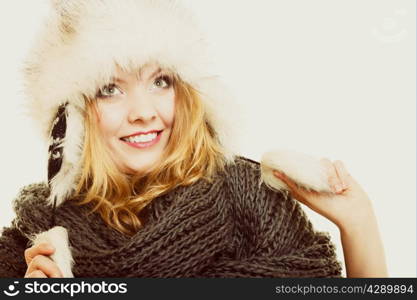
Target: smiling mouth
<point x="143" y="139"/>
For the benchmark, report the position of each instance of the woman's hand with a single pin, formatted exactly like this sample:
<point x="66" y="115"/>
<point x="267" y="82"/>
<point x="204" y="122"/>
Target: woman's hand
<point x="347" y="206"/>
<point x="350" y="208"/>
<point x="39" y="264"/>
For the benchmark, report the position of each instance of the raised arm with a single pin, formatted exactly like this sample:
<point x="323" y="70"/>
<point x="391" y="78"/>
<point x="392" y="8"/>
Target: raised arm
<point x="351" y="210"/>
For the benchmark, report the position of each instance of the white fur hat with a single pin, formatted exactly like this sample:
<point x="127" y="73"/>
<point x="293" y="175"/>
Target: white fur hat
<point x="77" y="52"/>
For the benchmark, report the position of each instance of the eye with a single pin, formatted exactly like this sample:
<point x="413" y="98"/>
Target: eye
<point x="162" y="82"/>
<point x="108" y="91"/>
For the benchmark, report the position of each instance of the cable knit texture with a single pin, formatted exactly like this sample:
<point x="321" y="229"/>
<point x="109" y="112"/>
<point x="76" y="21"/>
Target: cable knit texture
<point x="233" y="227"/>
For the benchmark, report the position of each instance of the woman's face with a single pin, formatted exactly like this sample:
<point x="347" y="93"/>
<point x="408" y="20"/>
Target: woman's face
<point x="131" y="106"/>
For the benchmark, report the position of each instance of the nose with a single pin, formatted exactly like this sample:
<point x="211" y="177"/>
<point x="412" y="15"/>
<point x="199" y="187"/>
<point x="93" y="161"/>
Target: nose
<point x="141" y="108"/>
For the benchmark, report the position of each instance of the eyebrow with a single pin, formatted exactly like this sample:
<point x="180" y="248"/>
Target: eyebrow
<point x="116" y="79"/>
<point x="155" y="73"/>
<point x="119" y="80"/>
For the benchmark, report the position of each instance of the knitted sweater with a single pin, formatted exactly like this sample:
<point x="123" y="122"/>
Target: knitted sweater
<point x="232" y="227"/>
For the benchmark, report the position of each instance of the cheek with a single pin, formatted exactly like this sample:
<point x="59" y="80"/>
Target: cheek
<point x="109" y="119"/>
<point x="166" y="109"/>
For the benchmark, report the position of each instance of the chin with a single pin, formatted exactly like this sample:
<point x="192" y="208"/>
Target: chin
<point x="139" y="169"/>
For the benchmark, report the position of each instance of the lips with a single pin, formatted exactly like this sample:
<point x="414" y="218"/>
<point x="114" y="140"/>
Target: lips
<point x="133" y="142"/>
<point x="142" y="133"/>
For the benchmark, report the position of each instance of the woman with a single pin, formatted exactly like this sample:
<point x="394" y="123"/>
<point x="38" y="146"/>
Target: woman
<point x="142" y="169"/>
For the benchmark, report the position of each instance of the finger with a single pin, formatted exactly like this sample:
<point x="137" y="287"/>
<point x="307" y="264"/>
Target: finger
<point x="46" y="265"/>
<point x="332" y="177"/>
<point x="36" y="274"/>
<point x="342" y="172"/>
<point x="294" y="188"/>
<point x="286" y="180"/>
<point x="40" y="249"/>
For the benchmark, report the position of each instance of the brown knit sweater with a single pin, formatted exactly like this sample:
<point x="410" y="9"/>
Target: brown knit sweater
<point x="233" y="227"/>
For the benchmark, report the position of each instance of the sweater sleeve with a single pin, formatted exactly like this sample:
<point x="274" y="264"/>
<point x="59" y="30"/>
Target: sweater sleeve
<point x="12" y="248"/>
<point x="273" y="236"/>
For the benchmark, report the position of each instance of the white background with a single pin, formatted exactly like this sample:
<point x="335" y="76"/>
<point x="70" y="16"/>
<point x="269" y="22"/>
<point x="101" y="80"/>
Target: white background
<point x="331" y="78"/>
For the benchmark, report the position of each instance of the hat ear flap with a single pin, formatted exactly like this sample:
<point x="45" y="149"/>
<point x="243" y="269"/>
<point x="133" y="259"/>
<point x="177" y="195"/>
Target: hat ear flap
<point x="56" y="150"/>
<point x="65" y="152"/>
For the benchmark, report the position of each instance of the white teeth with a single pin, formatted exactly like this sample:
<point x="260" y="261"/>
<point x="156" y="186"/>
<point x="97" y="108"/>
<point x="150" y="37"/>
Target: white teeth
<point x="142" y="138"/>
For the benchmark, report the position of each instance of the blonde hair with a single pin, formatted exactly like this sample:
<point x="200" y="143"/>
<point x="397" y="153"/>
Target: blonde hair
<point x="192" y="153"/>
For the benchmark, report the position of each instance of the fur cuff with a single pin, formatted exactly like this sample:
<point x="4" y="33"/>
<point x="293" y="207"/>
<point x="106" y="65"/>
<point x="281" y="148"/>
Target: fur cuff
<point x="306" y="171"/>
<point x="58" y="237"/>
